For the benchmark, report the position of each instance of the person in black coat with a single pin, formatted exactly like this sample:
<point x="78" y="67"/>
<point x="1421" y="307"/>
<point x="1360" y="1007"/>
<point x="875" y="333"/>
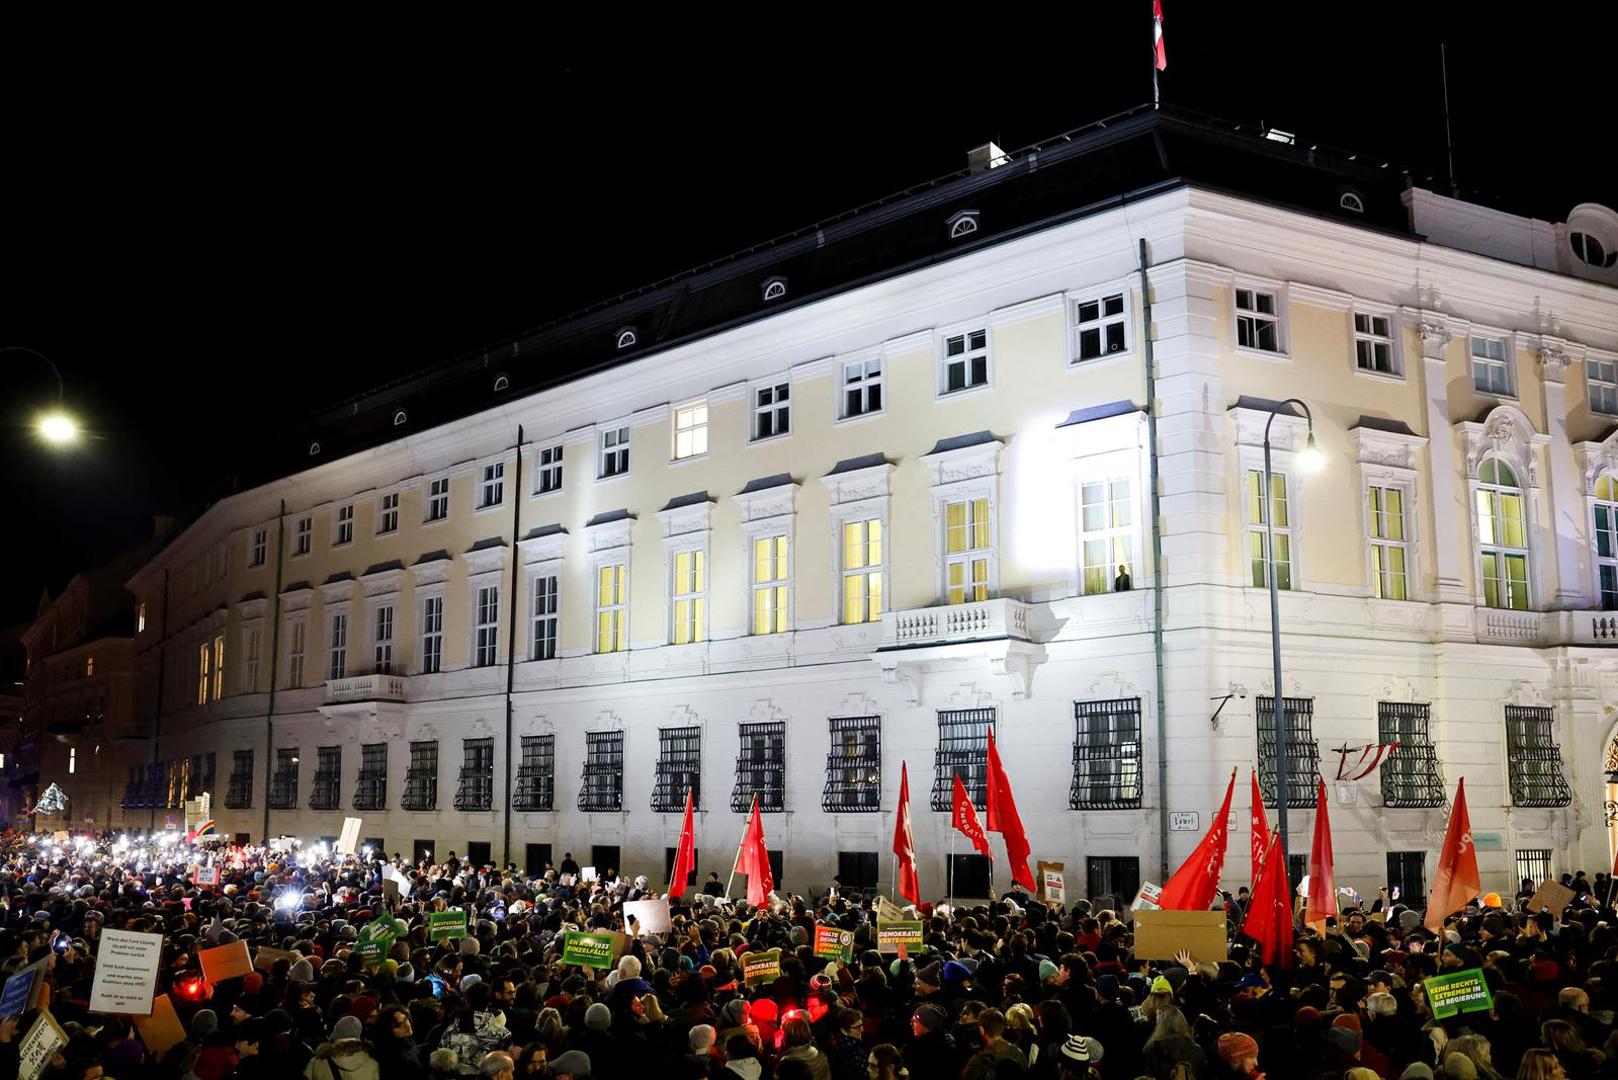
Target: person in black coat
<point x="932" y="1050"/>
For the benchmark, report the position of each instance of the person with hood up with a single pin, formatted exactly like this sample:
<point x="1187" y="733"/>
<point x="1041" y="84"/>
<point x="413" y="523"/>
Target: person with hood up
<point x="346" y="1057"/>
<point x="477" y="1029"/>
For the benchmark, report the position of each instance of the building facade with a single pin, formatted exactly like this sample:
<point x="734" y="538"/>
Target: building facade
<point x="837" y="516"/>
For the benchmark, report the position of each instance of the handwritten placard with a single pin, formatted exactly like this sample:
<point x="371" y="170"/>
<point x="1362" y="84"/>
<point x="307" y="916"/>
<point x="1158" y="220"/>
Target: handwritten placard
<point x="43" y="1039"/>
<point x="126" y="972"/>
<point x="225" y="962"/>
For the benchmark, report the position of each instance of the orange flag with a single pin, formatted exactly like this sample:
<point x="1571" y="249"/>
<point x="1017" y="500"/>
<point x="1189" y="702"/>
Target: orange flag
<point x="1194" y="884"/>
<point x="754" y="860"/>
<point x="1322" y="900"/>
<point x="904" y="841"/>
<point x="1457" y="881"/>
<point x="685" y="859"/>
<point x="1269" y="917"/>
<point x="1259" y="841"/>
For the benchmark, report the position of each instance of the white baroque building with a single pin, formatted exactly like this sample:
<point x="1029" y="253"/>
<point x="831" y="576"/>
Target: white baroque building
<point x="856" y="497"/>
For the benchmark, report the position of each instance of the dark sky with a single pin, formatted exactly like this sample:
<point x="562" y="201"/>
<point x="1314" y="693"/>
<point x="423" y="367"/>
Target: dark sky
<point x="216" y="230"/>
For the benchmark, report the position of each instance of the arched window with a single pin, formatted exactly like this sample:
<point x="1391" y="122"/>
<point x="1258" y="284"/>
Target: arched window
<point x="1591" y="250"/>
<point x="501" y="382"/>
<point x="626" y="337"/>
<point x="1348" y="200"/>
<point x="314" y="449"/>
<point x="964" y="223"/>
<point x="1606" y="531"/>
<point x="399" y="418"/>
<point x="775" y="288"/>
<point x="1502" y="537"/>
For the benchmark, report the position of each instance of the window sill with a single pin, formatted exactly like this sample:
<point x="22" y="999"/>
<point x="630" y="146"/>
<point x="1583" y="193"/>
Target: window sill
<point x="1278" y="357"/>
<point x="1379" y="376"/>
<point x="385" y="532"/>
<point x="551" y="494"/>
<point x="964" y="392"/>
<point x="430" y="522"/>
<point x="687" y="460"/>
<point x="1076" y="364"/>
<point x="615" y="476"/>
<point x="842" y="420"/>
<point x="1497" y="395"/>
<point x="491" y="506"/>
<point x="769" y="439"/>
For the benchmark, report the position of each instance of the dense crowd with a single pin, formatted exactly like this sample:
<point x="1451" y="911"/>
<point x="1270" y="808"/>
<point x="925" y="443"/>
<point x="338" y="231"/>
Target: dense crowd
<point x="1011" y="988"/>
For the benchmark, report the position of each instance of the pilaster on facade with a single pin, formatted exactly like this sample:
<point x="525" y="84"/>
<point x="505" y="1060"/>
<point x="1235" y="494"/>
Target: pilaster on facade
<point x="1569" y="522"/>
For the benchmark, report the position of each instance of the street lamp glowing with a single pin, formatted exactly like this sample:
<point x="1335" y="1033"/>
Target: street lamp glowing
<point x="58" y="429"/>
<point x="1311" y="459"/>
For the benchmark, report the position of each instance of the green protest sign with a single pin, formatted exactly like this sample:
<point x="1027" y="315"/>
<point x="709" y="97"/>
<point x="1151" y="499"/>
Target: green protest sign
<point x="834" y="944"/>
<point x="1458" y="992"/>
<point x="587" y="950"/>
<point x="761" y="968"/>
<point x="376" y="938"/>
<point x="891" y="935"/>
<point x="446" y="925"/>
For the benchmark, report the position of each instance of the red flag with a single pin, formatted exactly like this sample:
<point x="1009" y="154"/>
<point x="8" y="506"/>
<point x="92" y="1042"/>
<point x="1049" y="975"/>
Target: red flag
<point x="1260" y="838"/>
<point x="754" y="860"/>
<point x="904" y="843"/>
<point x="1457" y="881"/>
<point x="1157" y="35"/>
<point x="686" y="858"/>
<point x="964" y="816"/>
<point x="1269" y="917"/>
<point x="1194" y="884"/>
<point x="1003" y="819"/>
<point x="1322" y="901"/>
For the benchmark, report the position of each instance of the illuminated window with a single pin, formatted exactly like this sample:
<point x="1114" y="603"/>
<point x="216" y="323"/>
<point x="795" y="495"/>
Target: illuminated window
<point x="432" y="634"/>
<point x="612" y="611"/>
<point x="1390" y="548"/>
<point x="1107" y="533"/>
<point x="218" y="666"/>
<point x="295" y="652"/>
<point x="966" y="550"/>
<point x="862" y="388"/>
<point x="486" y="626"/>
<point x="966" y="362"/>
<point x="345" y="524"/>
<point x="438" y="499"/>
<point x="1491" y="370"/>
<point x="1258" y="320"/>
<point x="691" y="430"/>
<point x="862" y="570"/>
<point x="493" y="489"/>
<point x="204" y="675"/>
<point x="1258" y="514"/>
<point x="614" y="452"/>
<point x="688" y="593"/>
<point x="303" y="534"/>
<point x="337" y="647"/>
<point x="770" y="582"/>
<point x="261" y="547"/>
<point x="72" y="760"/>
<point x="1502" y="537"/>
<point x="89" y="666"/>
<point x="1373" y="344"/>
<point x="140" y="617"/>
<point x="388" y="517"/>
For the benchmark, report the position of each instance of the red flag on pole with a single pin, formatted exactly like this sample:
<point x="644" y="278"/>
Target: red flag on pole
<point x="904" y="842"/>
<point x="754" y="860"/>
<point x="1194" y="884"/>
<point x="1004" y="820"/>
<point x="1157" y="35"/>
<point x="1457" y="881"/>
<point x="686" y="858"/>
<point x="964" y="816"/>
<point x="1269" y="917"/>
<point x="1322" y="902"/>
<point x="1259" y="841"/>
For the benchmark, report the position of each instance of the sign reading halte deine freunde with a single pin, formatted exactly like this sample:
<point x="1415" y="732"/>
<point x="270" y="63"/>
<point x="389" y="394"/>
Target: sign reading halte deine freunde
<point x="126" y="972"/>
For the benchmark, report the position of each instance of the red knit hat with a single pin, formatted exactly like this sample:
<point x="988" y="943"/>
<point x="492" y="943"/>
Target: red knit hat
<point x="1236" y="1045"/>
<point x="215" y="1063"/>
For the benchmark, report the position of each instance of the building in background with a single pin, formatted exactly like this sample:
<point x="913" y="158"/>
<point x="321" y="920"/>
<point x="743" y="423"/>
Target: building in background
<point x="864" y="494"/>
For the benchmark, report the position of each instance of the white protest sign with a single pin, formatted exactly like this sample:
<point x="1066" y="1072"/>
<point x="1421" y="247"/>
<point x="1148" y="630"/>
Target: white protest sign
<point x="42" y="1040"/>
<point x="587" y="873"/>
<point x="348" y="842"/>
<point x="397" y="879"/>
<point x="652" y="916"/>
<point x="126" y="972"/>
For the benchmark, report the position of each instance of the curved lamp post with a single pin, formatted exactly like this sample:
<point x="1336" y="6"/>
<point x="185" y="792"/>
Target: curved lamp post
<point x="56" y="426"/>
<point x="1310" y="460"/>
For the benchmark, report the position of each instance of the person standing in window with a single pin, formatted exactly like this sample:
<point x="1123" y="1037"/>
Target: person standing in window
<point x="1122" y="583"/>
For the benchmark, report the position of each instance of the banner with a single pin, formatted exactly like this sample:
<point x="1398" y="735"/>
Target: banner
<point x="1458" y="992"/>
<point x="892" y="933"/>
<point x="446" y="925"/>
<point x="43" y="1039"/>
<point x="833" y="943"/>
<point x="348" y="842"/>
<point x="651" y="916"/>
<point x="761" y="968"/>
<point x="225" y="962"/>
<point x="587" y="950"/>
<point x="162" y="1030"/>
<point x="126" y="972"/>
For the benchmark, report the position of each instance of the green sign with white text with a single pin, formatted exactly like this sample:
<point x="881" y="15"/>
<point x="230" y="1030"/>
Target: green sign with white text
<point x="1458" y="992"/>
<point x="446" y="925"/>
<point x="587" y="950"/>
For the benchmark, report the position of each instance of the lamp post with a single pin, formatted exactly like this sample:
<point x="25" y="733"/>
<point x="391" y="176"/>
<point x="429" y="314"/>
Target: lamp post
<point x="57" y="426"/>
<point x="1310" y="460"/>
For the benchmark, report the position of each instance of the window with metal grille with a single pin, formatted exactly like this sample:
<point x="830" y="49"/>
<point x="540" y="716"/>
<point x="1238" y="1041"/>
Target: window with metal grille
<point x="536" y="776"/>
<point x="1534" y="865"/>
<point x="421" y="778"/>
<point x="1410" y="775"/>
<point x="761" y="768"/>
<point x="238" y="789"/>
<point x="1111" y="876"/>
<point x="371" y="792"/>
<point x="1303" y="752"/>
<point x="603" y="779"/>
<point x="476" y="789"/>
<point x="1407" y="872"/>
<point x="284" y="781"/>
<point x="854" y="765"/>
<point x="323" y="793"/>
<point x="1106" y="755"/>
<point x="1534" y="759"/>
<point x="963" y="749"/>
<point x="679" y="767"/>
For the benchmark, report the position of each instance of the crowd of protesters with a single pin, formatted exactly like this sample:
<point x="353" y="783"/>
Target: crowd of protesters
<point x="1009" y="988"/>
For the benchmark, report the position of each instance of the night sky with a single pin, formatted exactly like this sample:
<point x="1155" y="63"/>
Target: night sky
<point x="217" y="231"/>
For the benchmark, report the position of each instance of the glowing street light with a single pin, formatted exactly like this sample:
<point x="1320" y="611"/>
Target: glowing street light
<point x="57" y="427"/>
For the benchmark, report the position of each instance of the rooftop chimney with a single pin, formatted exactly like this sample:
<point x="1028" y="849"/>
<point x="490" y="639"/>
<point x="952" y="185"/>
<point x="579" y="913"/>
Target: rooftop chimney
<point x="983" y="158"/>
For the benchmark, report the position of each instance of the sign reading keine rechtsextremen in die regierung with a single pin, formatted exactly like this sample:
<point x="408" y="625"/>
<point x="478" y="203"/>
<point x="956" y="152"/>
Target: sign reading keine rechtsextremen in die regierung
<point x="126" y="972"/>
<point x="1458" y="992"/>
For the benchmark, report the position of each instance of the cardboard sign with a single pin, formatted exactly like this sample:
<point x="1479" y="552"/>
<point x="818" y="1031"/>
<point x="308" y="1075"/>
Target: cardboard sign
<point x="587" y="873"/>
<point x="348" y="842"/>
<point x="264" y="959"/>
<point x="1148" y="897"/>
<point x="588" y="950"/>
<point x="446" y="925"/>
<point x="761" y="968"/>
<point x="162" y="1030"/>
<point x="1052" y="885"/>
<point x="1458" y="992"/>
<point x="206" y="875"/>
<point x="1161" y="934"/>
<point x="126" y="972"/>
<point x="225" y="962"/>
<point x="1551" y="897"/>
<point x="890" y="934"/>
<point x="14" y="998"/>
<point x="887" y="910"/>
<point x="43" y="1039"/>
<point x="833" y="943"/>
<point x="395" y="882"/>
<point x="651" y="916"/>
